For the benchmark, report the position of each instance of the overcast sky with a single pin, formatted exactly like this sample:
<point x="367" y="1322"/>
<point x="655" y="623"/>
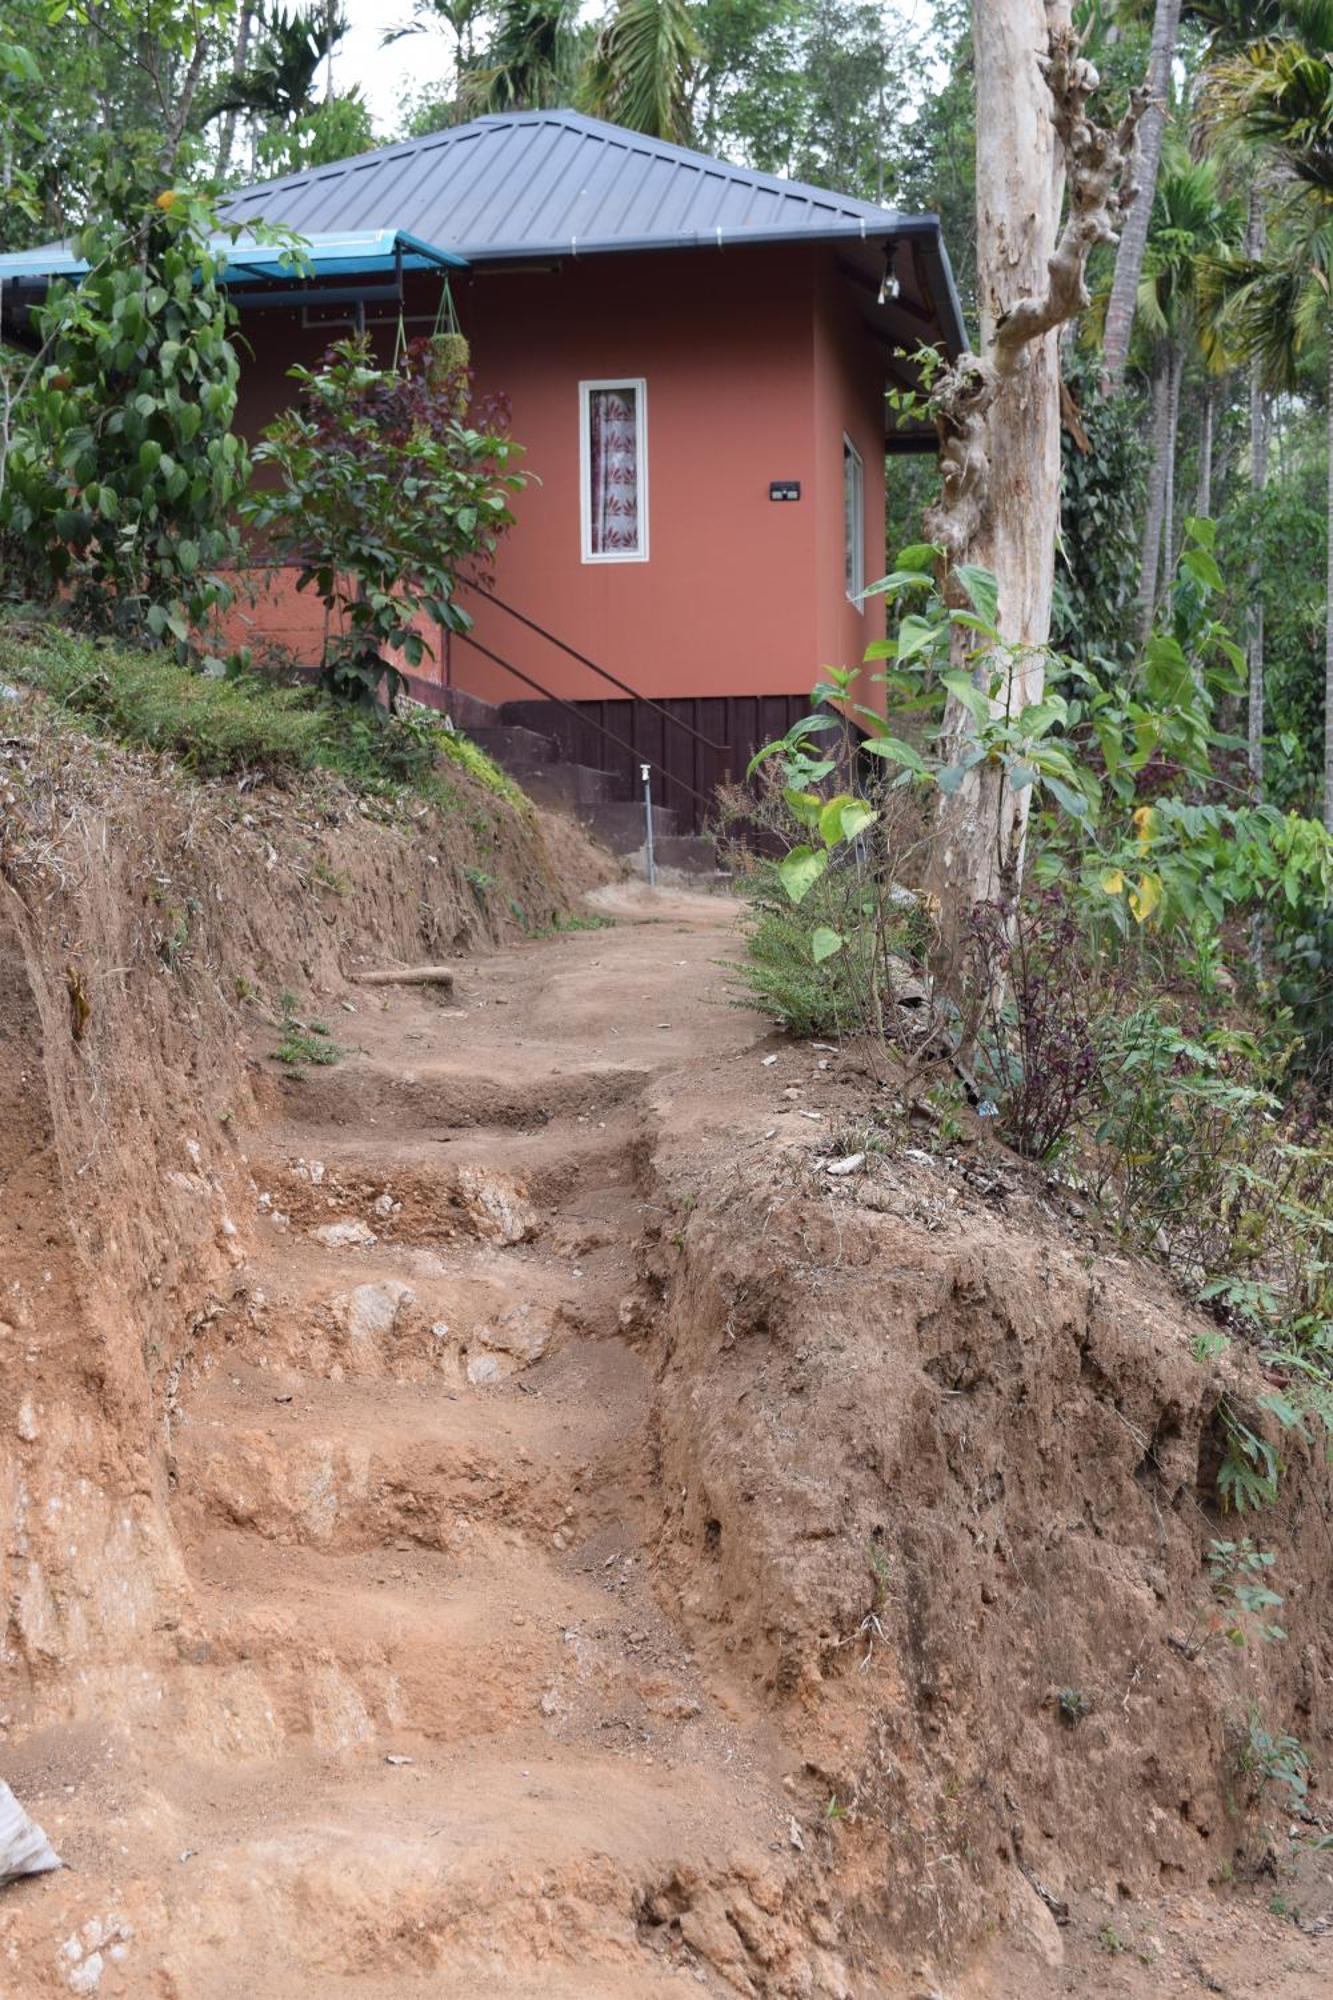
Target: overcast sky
<point x="387" y="77"/>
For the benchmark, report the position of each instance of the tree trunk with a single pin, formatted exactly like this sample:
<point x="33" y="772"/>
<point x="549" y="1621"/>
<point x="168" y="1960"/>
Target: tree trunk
<point x="227" y="134"/>
<point x="1134" y="238"/>
<point x="999" y="412"/>
<point x="1174" y="370"/>
<point x="1152" y="526"/>
<point x="1254" y="639"/>
<point x="1203" y="503"/>
<point x="1328" y="612"/>
<point x="1256" y="236"/>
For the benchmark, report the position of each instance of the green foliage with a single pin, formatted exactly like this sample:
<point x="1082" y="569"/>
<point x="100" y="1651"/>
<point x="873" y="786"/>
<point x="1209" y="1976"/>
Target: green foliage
<point x="459" y="749"/>
<point x="385" y="491"/>
<point x="1284" y="533"/>
<point x="1073" y="1705"/>
<point x="781" y="973"/>
<point x="225" y="726"/>
<point x="1101" y="502"/>
<point x="305" y="1042"/>
<point x="1239" y="1575"/>
<point x="1274" y="1758"/>
<point x="1248" y="1475"/>
<point x="335" y="129"/>
<point x="641" y="65"/>
<point x="122" y="470"/>
<point x="567" y="921"/>
<point x="531" y="63"/>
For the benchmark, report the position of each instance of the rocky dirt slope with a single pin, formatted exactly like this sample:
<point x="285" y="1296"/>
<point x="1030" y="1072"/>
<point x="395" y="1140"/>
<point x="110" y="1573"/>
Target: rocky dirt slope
<point x="493" y="1515"/>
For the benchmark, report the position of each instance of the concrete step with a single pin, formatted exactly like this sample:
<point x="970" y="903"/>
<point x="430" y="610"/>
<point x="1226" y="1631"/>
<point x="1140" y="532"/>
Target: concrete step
<point x="692" y="853"/>
<point x="469" y="711"/>
<point x="560" y="784"/>
<point x="510" y="743"/>
<point x="621" y="826"/>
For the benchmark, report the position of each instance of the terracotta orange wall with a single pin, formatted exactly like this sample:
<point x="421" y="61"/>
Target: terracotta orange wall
<point x="849" y="400"/>
<point x="755" y="365"/>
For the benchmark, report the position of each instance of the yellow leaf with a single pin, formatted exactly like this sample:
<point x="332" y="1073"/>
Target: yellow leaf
<point x="1145" y="824"/>
<point x="1144" y="900"/>
<point x="1113" y="882"/>
<point x="167" y="198"/>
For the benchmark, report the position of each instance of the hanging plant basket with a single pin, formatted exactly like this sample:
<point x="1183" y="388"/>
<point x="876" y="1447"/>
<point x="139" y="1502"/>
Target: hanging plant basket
<point x="449" y="354"/>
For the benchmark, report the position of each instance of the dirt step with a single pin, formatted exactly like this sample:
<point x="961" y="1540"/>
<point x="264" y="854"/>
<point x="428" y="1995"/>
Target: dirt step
<point x="351" y="1192"/>
<point x="485" y="1874"/>
<point x="349" y="1465"/>
<point x="443" y="1097"/>
<point x="413" y="1314"/>
<point x="407" y="1647"/>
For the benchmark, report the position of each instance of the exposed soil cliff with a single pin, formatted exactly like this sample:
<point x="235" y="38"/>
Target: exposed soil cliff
<point x="148" y="926"/>
<point x="494" y="1515"/>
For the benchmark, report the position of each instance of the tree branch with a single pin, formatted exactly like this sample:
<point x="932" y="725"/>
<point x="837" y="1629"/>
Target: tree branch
<point x="1101" y="166"/>
<point x="1101" y="175"/>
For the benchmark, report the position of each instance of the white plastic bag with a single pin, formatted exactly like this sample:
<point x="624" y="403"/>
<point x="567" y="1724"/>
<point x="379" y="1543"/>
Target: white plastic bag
<point x="24" y="1848"/>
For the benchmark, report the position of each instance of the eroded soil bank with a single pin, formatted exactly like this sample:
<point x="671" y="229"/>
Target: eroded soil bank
<point x="493" y="1515"/>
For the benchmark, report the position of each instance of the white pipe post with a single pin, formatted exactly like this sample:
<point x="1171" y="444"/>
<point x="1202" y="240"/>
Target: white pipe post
<point x="647" y="774"/>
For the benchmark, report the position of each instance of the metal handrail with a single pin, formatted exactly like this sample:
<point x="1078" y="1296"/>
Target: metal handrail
<point x="636" y="755"/>
<point x="722" y="749"/>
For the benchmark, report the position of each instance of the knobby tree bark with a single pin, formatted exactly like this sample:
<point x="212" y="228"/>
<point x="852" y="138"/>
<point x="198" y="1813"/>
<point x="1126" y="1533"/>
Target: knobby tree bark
<point x="998" y="410"/>
<point x="1134" y="237"/>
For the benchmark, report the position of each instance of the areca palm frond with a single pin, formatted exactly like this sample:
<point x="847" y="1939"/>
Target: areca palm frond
<point x="1279" y="93"/>
<point x="1192" y="220"/>
<point x="530" y="63"/>
<point x="1232" y="23"/>
<point x="1276" y="309"/>
<point x="280" y="81"/>
<point x="641" y="68"/>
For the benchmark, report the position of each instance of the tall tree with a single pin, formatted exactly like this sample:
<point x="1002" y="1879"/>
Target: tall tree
<point x="1134" y="238"/>
<point x="1279" y="93"/>
<point x="999" y="409"/>
<point x="1192" y="221"/>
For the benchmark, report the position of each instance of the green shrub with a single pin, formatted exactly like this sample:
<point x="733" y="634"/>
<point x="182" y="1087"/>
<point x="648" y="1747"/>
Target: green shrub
<point x="461" y="750"/>
<point x="222" y="727"/>
<point x="387" y="483"/>
<point x="122" y="471"/>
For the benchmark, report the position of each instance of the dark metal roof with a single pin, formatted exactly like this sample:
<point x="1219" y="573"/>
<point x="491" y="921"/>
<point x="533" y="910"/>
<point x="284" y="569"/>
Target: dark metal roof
<point x="542" y="184"/>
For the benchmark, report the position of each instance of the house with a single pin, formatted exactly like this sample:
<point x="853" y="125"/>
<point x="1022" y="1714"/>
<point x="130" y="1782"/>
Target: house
<point x="696" y="358"/>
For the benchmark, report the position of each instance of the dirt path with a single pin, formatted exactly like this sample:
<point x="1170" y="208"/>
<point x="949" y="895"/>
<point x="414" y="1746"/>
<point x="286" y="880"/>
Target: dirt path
<point x="428" y="1730"/>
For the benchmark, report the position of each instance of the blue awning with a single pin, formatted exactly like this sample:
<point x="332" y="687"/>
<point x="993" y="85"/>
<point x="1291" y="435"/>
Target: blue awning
<point x="343" y="253"/>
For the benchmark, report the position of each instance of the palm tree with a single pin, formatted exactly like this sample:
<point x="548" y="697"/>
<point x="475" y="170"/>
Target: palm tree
<point x="641" y="68"/>
<point x="1278" y="308"/>
<point x="532" y="60"/>
<point x="1192" y="221"/>
<point x="1232" y="24"/>
<point x="277" y="83"/>
<point x="1134" y="232"/>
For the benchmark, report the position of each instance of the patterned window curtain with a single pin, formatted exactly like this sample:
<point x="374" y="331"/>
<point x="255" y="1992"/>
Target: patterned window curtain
<point x="613" y="433"/>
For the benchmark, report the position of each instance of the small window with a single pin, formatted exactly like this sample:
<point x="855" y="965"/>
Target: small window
<point x="854" y="521"/>
<point x="613" y="460"/>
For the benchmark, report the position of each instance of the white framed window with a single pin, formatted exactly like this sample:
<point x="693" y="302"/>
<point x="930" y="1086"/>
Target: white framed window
<point x="854" y="521"/>
<point x="613" y="470"/>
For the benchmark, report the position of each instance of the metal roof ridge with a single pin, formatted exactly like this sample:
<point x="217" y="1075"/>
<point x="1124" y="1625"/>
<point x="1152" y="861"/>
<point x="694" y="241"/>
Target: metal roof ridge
<point x="567" y="118"/>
